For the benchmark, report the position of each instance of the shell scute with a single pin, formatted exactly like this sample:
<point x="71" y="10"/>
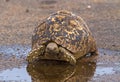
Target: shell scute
<point x="64" y="28"/>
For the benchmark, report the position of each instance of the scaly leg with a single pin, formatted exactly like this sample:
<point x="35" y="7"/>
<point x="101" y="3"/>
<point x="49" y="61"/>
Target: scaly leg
<point x="34" y="54"/>
<point x="67" y="56"/>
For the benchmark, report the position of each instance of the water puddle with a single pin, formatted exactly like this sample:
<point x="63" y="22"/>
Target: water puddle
<point x="17" y="50"/>
<point x="16" y="74"/>
<point x="104" y="70"/>
<point x="17" y="70"/>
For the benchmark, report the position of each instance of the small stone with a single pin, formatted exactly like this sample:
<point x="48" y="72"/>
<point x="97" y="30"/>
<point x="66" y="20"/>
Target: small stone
<point x="7" y="0"/>
<point x="114" y="45"/>
<point x="27" y="11"/>
<point x="88" y="6"/>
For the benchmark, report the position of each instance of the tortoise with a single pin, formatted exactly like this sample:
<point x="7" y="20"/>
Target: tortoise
<point x="62" y="36"/>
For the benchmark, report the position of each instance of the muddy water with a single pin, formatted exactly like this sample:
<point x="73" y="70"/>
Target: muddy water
<point x="14" y="68"/>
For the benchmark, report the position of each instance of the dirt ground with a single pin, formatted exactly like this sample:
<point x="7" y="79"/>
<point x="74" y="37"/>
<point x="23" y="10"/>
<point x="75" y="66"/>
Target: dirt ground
<point x="18" y="18"/>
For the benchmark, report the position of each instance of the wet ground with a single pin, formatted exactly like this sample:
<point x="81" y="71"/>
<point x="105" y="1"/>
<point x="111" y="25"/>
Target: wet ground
<point x="18" y="18"/>
<point x="14" y="68"/>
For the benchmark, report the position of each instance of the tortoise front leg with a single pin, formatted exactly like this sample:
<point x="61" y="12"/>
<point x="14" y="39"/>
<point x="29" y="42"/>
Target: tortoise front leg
<point x="34" y="54"/>
<point x="67" y="56"/>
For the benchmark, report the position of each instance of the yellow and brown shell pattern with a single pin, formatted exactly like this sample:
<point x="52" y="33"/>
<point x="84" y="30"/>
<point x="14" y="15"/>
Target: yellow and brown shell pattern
<point x="64" y="28"/>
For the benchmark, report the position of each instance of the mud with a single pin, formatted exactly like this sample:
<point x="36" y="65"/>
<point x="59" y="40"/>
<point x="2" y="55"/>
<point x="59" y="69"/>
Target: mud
<point x="18" y="18"/>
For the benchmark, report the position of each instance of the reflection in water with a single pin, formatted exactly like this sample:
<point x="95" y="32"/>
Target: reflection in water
<point x="54" y="71"/>
<point x="50" y="71"/>
<point x="84" y="72"/>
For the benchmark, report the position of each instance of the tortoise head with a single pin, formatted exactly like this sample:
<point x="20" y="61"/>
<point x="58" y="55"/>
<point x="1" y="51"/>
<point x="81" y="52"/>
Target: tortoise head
<point x="52" y="51"/>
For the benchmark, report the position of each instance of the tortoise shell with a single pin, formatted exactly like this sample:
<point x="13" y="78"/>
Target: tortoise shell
<point x="64" y="28"/>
